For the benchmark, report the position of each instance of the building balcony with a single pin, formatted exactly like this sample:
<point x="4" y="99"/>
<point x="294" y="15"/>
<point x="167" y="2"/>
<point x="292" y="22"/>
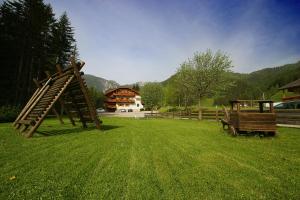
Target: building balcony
<point x="120" y="100"/>
<point x="124" y="94"/>
<point x="110" y="106"/>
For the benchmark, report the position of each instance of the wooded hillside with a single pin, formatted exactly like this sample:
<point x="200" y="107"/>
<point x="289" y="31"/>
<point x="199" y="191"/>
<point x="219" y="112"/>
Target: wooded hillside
<point x="255" y="85"/>
<point x="32" y="41"/>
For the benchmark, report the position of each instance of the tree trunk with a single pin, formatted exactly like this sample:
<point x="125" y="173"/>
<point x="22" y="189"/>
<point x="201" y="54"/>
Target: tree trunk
<point x="18" y="80"/>
<point x="199" y="109"/>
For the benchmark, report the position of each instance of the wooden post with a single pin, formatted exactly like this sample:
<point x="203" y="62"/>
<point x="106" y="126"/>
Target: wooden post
<point x="200" y="114"/>
<point x="271" y="107"/>
<point x="59" y="69"/>
<point x="217" y="115"/>
<point x="90" y="104"/>
<point x="261" y="107"/>
<point x="61" y="101"/>
<point x="78" y="110"/>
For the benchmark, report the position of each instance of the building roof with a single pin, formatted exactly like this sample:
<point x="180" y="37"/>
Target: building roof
<point x="121" y="87"/>
<point x="294" y="84"/>
<point x="259" y="101"/>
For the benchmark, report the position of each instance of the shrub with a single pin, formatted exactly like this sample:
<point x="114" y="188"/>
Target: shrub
<point x="8" y="113"/>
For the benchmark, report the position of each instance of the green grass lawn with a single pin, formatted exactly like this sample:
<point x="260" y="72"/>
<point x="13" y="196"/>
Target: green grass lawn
<point x="148" y="159"/>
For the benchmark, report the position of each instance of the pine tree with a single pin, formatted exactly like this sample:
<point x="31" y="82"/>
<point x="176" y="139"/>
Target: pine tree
<point x="64" y="39"/>
<point x="31" y="41"/>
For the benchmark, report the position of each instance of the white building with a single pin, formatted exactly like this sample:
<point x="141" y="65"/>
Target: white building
<point x="123" y="99"/>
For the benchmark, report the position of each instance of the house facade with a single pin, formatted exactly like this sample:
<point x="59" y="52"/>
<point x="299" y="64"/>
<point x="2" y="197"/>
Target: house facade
<point x="123" y="98"/>
<point x="291" y="87"/>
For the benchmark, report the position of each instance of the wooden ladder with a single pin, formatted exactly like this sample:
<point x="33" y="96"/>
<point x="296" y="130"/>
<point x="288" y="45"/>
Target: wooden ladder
<point x="49" y="94"/>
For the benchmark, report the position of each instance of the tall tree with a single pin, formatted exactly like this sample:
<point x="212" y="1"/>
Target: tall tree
<point x="205" y="73"/>
<point x="64" y="41"/>
<point x="184" y="88"/>
<point x="25" y="30"/>
<point x="152" y="95"/>
<point x="98" y="97"/>
<point x="28" y="46"/>
<point x="136" y="86"/>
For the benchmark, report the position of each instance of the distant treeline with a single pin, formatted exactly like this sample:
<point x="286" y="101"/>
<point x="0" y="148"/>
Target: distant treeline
<point x="32" y="41"/>
<point x="256" y="85"/>
<point x="261" y="84"/>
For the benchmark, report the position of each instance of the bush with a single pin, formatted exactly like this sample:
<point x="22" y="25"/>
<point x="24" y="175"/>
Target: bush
<point x="8" y="113"/>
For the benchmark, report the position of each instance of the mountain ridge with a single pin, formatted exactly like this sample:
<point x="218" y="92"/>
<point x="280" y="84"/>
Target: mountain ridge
<point x="265" y="79"/>
<point x="99" y="83"/>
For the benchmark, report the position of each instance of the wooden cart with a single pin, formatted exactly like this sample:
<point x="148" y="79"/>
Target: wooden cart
<point x="261" y="121"/>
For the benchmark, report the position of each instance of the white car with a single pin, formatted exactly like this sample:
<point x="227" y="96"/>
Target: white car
<point x="100" y="110"/>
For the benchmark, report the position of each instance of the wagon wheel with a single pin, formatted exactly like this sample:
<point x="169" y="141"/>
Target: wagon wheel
<point x="232" y="130"/>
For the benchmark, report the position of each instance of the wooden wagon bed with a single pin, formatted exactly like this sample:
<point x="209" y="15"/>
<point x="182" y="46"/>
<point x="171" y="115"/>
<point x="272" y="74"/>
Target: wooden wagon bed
<point x="238" y="120"/>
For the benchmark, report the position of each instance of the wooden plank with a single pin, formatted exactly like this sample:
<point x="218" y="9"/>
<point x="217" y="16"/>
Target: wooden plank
<point x="90" y="104"/>
<point x="27" y="122"/>
<point x="33" y="100"/>
<point x="27" y="105"/>
<point x="31" y="131"/>
<point x="77" y="111"/>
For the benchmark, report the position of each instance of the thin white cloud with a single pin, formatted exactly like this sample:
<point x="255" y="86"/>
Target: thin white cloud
<point x="128" y="42"/>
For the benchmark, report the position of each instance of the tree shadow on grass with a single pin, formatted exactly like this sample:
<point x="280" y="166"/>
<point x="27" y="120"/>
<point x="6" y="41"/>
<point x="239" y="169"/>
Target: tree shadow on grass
<point x="63" y="131"/>
<point x="106" y="127"/>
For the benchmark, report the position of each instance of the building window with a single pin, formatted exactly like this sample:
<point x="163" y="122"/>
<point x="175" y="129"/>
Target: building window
<point x="138" y="105"/>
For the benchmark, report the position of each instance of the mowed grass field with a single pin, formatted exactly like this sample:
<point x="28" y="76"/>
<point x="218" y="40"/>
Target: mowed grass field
<point x="148" y="159"/>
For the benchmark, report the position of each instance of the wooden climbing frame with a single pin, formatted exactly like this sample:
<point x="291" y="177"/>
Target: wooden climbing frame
<point x="68" y="88"/>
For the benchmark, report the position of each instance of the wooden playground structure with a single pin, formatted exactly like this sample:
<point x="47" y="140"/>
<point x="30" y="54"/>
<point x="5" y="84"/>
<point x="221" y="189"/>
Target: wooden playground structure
<point x="243" y="121"/>
<point x="66" y="87"/>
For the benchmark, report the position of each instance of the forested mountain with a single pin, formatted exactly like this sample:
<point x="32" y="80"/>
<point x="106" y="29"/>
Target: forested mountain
<point x="32" y="41"/>
<point x="100" y="84"/>
<point x="275" y="77"/>
<point x="264" y="83"/>
<point x="259" y="84"/>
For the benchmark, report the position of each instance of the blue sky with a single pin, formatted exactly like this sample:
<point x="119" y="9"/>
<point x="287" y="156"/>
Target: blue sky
<point x="129" y="41"/>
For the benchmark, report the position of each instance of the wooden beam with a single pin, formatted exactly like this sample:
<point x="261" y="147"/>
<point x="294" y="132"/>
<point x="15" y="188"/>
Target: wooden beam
<point x="27" y="106"/>
<point x="80" y="115"/>
<point x="84" y="90"/>
<point x="38" y="96"/>
<point x="31" y="131"/>
<point x="59" y="69"/>
<point x="261" y="107"/>
<point x="62" y="104"/>
<point x="33" y="105"/>
<point x="271" y="107"/>
<point x="53" y="109"/>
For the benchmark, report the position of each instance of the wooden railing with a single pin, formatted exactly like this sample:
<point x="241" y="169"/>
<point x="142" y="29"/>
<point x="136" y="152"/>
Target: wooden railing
<point x="285" y="116"/>
<point x="288" y="116"/>
<point x="204" y="114"/>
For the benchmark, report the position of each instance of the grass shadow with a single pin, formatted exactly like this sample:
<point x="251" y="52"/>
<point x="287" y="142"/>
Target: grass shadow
<point x="54" y="132"/>
<point x="109" y="127"/>
<point x="63" y="131"/>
